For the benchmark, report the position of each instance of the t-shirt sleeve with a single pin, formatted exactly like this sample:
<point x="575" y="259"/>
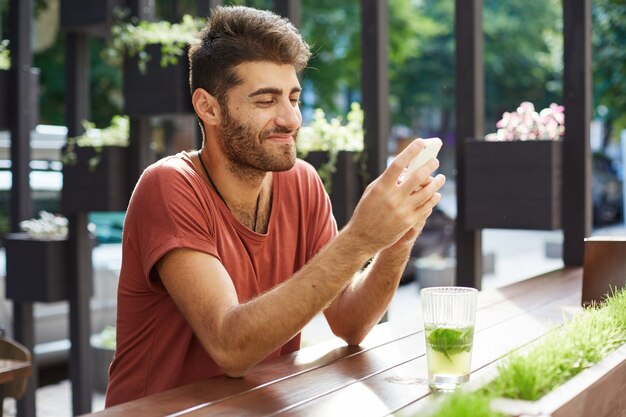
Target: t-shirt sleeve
<point x="167" y="212"/>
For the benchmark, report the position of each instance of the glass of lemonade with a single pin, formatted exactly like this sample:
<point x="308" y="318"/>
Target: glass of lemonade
<point x="449" y="315"/>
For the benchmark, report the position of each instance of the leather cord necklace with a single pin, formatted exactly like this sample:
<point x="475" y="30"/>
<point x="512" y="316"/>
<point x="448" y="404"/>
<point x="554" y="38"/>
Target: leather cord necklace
<point x="258" y="198"/>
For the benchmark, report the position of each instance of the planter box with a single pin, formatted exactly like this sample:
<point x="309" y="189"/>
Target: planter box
<point x="597" y="391"/>
<point x="36" y="269"/>
<point x="159" y="90"/>
<point x="346" y="183"/>
<point x="105" y="188"/>
<point x="94" y="17"/>
<point x="513" y="185"/>
<point x="5" y="106"/>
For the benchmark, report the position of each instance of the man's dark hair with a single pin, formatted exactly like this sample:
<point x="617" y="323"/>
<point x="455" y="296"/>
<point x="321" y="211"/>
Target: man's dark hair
<point x="234" y="35"/>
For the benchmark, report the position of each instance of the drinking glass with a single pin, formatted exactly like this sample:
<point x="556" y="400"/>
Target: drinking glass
<point x="449" y="315"/>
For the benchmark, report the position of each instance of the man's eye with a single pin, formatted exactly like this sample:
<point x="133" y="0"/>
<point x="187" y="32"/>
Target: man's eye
<point x="295" y="101"/>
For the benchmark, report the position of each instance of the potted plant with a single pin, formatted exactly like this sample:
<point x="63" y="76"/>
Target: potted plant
<point x="513" y="177"/>
<point x="96" y="169"/>
<point x="36" y="260"/>
<point x="93" y="17"/>
<point x="156" y="67"/>
<point x="582" y="362"/>
<point x="334" y="148"/>
<point x="5" y="86"/>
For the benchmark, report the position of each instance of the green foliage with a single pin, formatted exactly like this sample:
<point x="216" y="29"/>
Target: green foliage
<point x="466" y="404"/>
<point x="5" y="58"/>
<point x="523" y="54"/>
<point x="117" y="134"/>
<point x="332" y="135"/>
<point x="107" y="338"/>
<point x="334" y="34"/>
<point x="131" y="38"/>
<point x="450" y="341"/>
<point x="609" y="59"/>
<point x="105" y="81"/>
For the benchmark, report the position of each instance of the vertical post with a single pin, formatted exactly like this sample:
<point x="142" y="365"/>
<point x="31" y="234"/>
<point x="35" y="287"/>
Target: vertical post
<point x="576" y="207"/>
<point x="79" y="259"/>
<point x="19" y="92"/>
<point x="20" y="17"/>
<point x="289" y="9"/>
<point x="469" y="123"/>
<point x="375" y="84"/>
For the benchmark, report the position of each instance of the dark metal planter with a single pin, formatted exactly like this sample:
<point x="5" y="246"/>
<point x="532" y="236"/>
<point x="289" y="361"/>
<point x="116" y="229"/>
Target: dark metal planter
<point x="5" y="106"/>
<point x="346" y="183"/>
<point x="93" y="17"/>
<point x="107" y="187"/>
<point x="159" y="90"/>
<point x="513" y="185"/>
<point x="36" y="269"/>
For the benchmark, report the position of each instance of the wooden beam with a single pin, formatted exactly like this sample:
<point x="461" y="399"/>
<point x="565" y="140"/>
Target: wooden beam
<point x="469" y="124"/>
<point x="20" y="18"/>
<point x="79" y="258"/>
<point x="576" y="213"/>
<point x="375" y="84"/>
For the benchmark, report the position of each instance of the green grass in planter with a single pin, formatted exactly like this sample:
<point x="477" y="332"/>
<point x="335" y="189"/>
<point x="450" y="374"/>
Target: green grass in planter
<point x="580" y="343"/>
<point x="564" y="353"/>
<point x="467" y="404"/>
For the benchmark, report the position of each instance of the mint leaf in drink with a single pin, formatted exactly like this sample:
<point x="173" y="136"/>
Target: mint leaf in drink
<point x="450" y="341"/>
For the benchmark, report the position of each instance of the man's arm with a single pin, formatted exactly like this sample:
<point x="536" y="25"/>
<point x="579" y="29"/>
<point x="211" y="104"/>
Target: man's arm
<point x="365" y="300"/>
<point x="238" y="336"/>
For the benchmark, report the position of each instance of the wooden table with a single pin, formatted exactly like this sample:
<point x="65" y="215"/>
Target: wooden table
<point x="385" y="375"/>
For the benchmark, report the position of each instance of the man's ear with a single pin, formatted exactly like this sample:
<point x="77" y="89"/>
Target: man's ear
<point x="206" y="106"/>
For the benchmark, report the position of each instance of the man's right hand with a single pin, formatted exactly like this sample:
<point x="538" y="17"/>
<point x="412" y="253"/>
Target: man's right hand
<point x="389" y="208"/>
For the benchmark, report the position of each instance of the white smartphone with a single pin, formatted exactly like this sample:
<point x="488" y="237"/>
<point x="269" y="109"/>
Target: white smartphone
<point x="430" y="151"/>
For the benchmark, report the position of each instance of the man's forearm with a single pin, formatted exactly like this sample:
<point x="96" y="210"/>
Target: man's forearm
<point x="363" y="303"/>
<point x="253" y="330"/>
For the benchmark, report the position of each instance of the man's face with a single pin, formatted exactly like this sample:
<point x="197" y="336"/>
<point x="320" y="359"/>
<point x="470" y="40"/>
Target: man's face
<point x="261" y="119"/>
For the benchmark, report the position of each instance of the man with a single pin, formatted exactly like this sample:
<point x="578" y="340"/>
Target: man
<point x="230" y="251"/>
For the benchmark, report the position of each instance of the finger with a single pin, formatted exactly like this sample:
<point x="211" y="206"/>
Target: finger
<point x="400" y="162"/>
<point x="417" y="179"/>
<point x="425" y="192"/>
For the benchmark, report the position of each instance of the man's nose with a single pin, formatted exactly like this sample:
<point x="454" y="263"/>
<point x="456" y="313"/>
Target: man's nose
<point x="289" y="116"/>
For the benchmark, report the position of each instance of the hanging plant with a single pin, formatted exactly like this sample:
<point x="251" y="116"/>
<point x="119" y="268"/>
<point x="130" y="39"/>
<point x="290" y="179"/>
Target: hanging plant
<point x="5" y="57"/>
<point x="131" y="36"/>
<point x="332" y="136"/>
<point x="117" y="134"/>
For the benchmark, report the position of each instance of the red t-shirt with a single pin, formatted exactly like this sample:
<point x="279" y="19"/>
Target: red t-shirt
<point x="173" y="207"/>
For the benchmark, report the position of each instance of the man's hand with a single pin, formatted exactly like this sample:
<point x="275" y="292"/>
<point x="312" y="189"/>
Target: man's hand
<point x="394" y="212"/>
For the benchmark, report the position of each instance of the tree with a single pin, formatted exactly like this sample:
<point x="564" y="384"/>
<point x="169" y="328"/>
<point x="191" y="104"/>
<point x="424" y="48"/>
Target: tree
<point x="609" y="63"/>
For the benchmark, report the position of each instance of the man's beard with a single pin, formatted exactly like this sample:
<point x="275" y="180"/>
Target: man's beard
<point x="246" y="150"/>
